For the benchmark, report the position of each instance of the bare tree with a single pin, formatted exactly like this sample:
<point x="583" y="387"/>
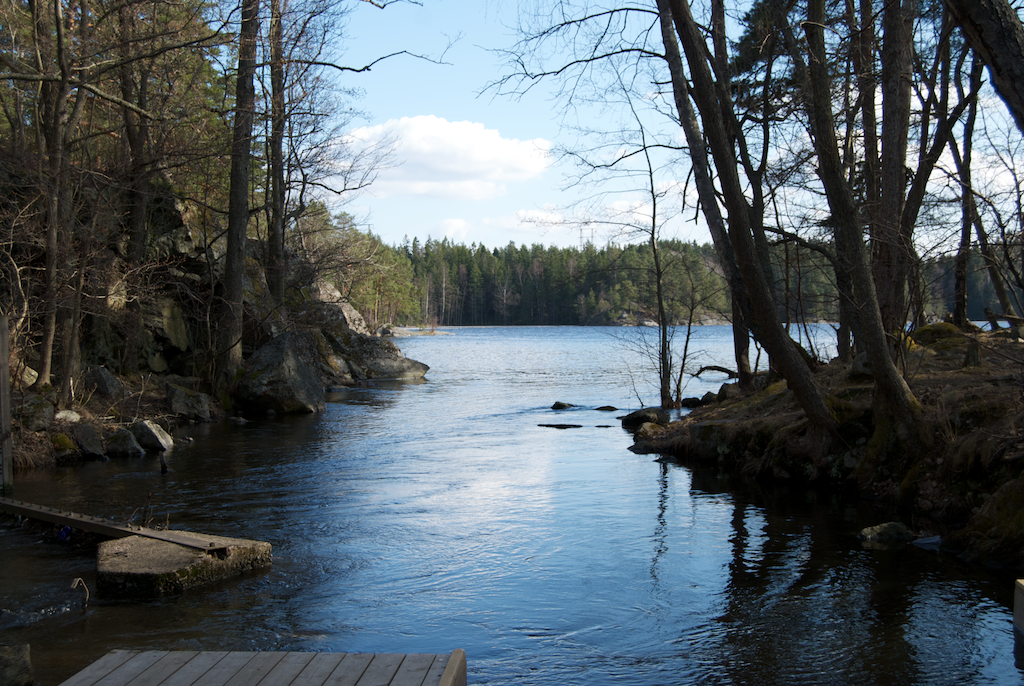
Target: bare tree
<point x="230" y="340"/>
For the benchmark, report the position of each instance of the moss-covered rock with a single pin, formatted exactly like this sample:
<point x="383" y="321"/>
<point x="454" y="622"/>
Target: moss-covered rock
<point x="929" y="335"/>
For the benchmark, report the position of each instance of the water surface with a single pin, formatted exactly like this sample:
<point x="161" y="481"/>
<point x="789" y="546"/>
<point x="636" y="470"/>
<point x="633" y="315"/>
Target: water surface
<point x="428" y="516"/>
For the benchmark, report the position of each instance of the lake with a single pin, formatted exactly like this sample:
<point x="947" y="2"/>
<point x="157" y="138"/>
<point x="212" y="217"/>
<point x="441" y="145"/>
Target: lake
<point x="422" y="517"/>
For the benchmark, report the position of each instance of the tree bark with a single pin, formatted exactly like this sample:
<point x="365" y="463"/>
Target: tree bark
<point x="275" y="233"/>
<point x="994" y="30"/>
<point x="230" y="343"/>
<point x="891" y="244"/>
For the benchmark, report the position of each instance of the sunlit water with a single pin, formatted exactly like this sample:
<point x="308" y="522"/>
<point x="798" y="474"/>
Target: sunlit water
<point x="429" y="516"/>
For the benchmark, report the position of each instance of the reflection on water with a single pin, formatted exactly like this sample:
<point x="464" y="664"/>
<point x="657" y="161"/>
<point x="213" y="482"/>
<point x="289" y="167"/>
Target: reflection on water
<point x="420" y="518"/>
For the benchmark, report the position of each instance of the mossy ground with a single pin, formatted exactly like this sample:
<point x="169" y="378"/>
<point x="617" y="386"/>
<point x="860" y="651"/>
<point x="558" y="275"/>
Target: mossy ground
<point x="962" y="476"/>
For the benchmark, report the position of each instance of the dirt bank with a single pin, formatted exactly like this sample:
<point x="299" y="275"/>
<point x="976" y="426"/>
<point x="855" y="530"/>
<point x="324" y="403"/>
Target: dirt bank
<point x="963" y="479"/>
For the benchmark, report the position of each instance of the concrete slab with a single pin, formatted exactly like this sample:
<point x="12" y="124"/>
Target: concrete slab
<point x="138" y="565"/>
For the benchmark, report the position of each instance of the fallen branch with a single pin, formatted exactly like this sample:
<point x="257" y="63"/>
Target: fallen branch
<point x="715" y="368"/>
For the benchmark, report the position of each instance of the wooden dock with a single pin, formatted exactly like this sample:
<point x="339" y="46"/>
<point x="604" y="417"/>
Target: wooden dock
<point x="194" y="668"/>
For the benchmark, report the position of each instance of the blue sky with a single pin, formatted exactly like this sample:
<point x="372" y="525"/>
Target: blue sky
<point x="474" y="167"/>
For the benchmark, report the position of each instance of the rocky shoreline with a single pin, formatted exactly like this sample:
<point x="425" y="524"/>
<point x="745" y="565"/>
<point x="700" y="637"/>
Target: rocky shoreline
<point x="127" y="415"/>
<point x="967" y="486"/>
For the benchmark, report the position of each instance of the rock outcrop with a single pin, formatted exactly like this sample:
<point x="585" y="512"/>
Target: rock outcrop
<point x="283" y="376"/>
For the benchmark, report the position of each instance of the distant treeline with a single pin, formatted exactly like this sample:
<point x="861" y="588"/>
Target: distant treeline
<point x="441" y="283"/>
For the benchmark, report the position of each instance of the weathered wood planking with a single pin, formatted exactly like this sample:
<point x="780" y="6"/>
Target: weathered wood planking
<point x="194" y="668"/>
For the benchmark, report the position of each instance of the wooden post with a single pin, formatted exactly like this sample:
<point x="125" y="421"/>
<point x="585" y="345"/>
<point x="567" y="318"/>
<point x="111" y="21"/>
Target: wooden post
<point x="6" y="458"/>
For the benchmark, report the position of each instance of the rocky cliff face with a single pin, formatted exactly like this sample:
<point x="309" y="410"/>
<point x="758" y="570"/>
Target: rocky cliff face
<point x="315" y="340"/>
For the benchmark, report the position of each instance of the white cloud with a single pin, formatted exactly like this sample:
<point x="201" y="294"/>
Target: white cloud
<point x="438" y="158"/>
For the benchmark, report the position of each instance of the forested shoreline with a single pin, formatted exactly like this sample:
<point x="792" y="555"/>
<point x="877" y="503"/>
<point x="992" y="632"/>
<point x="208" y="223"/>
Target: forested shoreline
<point x="441" y="283"/>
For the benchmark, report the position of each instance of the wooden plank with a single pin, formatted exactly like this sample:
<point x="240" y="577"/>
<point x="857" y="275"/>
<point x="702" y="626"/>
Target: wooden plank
<point x="225" y="669"/>
<point x="455" y="672"/>
<point x="413" y="670"/>
<point x="255" y="669"/>
<point x="350" y="670"/>
<point x="222" y="668"/>
<point x="138" y="664"/>
<point x="102" y="667"/>
<point x="285" y="671"/>
<point x="105" y="527"/>
<point x="436" y="670"/>
<point x="195" y="668"/>
<point x="381" y="669"/>
<point x="163" y="668"/>
<point x="319" y="668"/>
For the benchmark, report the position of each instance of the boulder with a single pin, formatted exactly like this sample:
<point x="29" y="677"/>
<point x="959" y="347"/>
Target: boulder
<point x="653" y="415"/>
<point x="690" y="403"/>
<point x="63" y="446"/>
<point x="28" y="377"/>
<point x="151" y="436"/>
<point x="709" y="398"/>
<point x="729" y="391"/>
<point x="36" y="413"/>
<point x="283" y="376"/>
<point x="123" y="444"/>
<point x="102" y="381"/>
<point x="188" y="404"/>
<point x="932" y="333"/>
<point x="559" y="405"/>
<point x="67" y="417"/>
<point x="647" y="431"/>
<point x="89" y="439"/>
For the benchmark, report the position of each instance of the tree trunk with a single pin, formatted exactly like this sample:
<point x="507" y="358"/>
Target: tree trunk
<point x="994" y="30"/>
<point x="895" y="402"/>
<point x="275" y="234"/>
<point x="891" y="248"/>
<point x="709" y="201"/>
<point x="230" y="343"/>
<point x="764" y="316"/>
